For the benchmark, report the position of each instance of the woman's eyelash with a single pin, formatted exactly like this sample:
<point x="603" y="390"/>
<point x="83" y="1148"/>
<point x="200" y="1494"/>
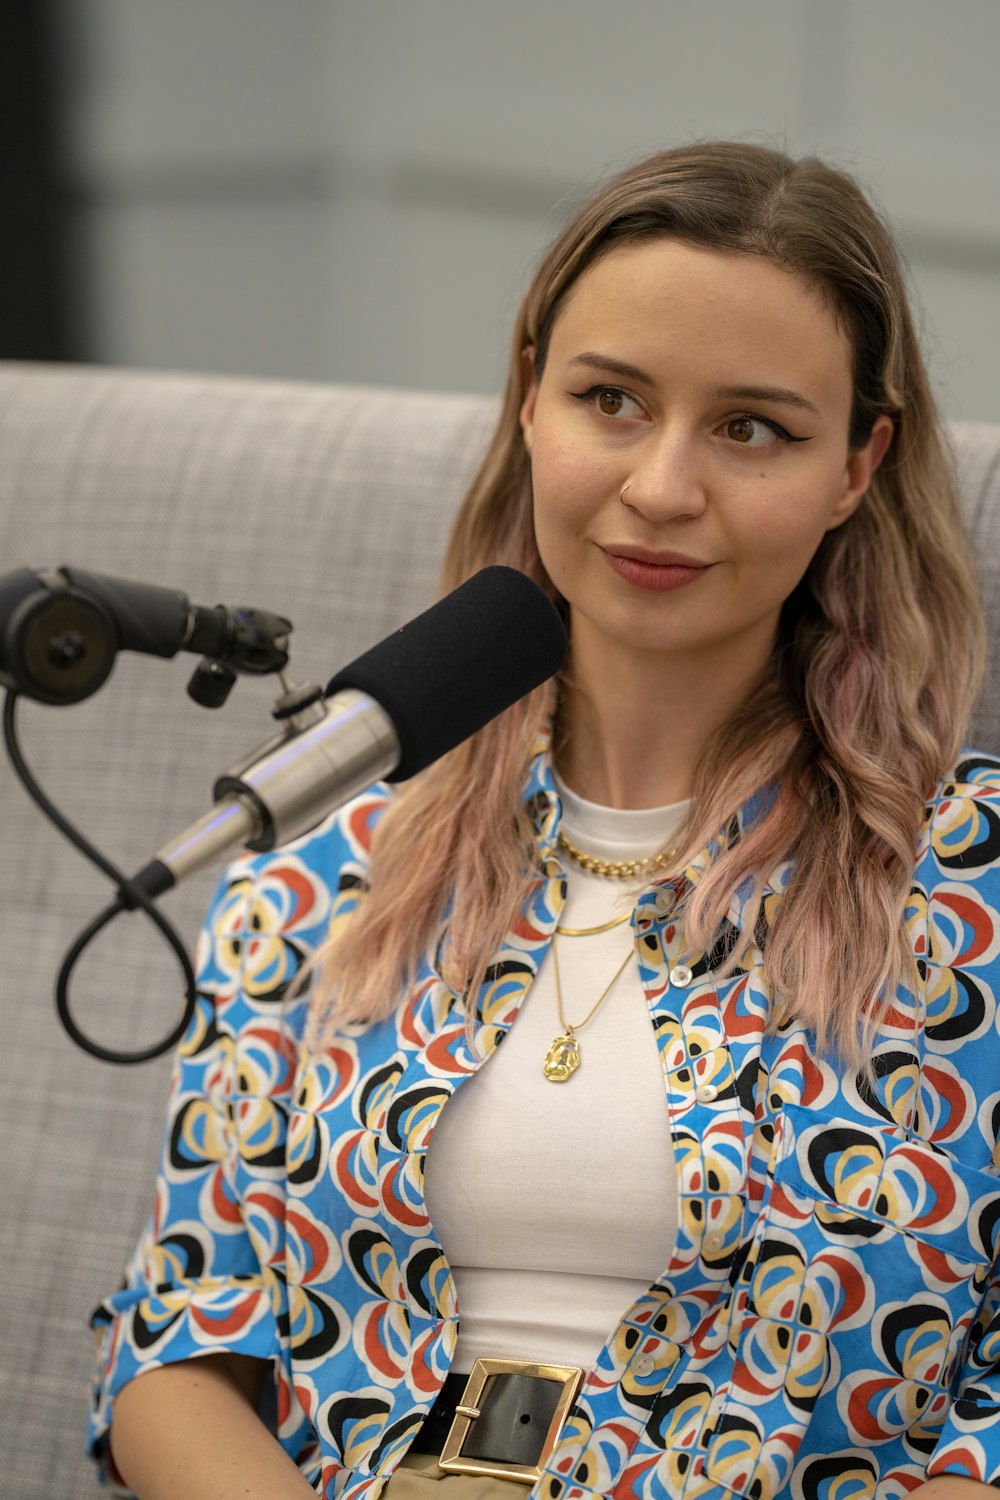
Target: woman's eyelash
<point x="742" y="416"/>
<point x="751" y="416"/>
<point x="602" y="390"/>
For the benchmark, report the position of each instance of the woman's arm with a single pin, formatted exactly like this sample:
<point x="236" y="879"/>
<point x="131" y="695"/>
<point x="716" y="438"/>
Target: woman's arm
<point x="953" y="1487"/>
<point x="191" y="1429"/>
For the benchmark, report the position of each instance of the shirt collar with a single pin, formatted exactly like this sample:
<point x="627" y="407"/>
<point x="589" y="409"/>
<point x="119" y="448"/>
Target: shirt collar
<point x="541" y="801"/>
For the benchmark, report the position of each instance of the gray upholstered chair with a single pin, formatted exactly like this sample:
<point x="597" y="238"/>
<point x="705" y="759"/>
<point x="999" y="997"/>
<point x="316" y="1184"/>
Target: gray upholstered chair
<point x="330" y="505"/>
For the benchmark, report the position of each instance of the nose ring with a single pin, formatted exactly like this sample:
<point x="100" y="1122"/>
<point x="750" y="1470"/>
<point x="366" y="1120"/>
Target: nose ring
<point x="621" y="492"/>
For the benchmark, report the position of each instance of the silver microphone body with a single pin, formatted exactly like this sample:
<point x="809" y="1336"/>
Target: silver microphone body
<point x="390" y="713"/>
<point x="290" y="787"/>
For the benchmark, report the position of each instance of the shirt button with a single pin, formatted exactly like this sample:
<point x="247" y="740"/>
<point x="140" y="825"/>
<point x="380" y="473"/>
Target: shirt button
<point x="644" y="1364"/>
<point x="715" y="1240"/>
<point x="705" y="1093"/>
<point x="681" y="976"/>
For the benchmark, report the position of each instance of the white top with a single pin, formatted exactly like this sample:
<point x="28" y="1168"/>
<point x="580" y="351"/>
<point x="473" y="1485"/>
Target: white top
<point x="556" y="1203"/>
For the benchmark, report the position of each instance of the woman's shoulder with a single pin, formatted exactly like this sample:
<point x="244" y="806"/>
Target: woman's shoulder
<point x="314" y="872"/>
<point x="271" y="909"/>
<point x="343" y="839"/>
<point x="976" y="769"/>
<point x="961" y="839"/>
<point x="973" y="776"/>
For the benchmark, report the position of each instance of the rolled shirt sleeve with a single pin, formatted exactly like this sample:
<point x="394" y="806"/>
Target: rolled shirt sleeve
<point x="207" y="1274"/>
<point x="969" y="1443"/>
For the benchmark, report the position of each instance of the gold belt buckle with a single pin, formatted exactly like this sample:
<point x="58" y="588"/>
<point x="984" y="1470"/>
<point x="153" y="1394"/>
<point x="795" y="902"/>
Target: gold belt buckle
<point x="452" y="1459"/>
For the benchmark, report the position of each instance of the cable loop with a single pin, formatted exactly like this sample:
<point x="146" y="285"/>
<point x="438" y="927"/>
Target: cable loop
<point x="136" y="896"/>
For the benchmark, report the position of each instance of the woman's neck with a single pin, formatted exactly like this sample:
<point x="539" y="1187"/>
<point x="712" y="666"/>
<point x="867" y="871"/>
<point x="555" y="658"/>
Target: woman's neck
<point x="631" y="732"/>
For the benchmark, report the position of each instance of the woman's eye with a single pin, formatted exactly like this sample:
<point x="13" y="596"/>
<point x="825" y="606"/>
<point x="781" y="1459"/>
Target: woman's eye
<point x="741" y="430"/>
<point x="611" y="401"/>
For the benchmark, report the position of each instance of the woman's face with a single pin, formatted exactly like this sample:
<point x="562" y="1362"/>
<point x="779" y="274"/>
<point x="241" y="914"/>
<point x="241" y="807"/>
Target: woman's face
<point x="656" y="379"/>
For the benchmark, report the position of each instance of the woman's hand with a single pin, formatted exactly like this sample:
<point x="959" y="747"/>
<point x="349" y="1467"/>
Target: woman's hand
<point x="192" y="1429"/>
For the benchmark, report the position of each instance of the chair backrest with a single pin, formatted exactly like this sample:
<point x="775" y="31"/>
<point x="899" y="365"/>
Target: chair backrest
<point x="328" y="504"/>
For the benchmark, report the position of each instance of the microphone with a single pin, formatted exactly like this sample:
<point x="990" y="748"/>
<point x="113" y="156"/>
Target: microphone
<point x="61" y="630"/>
<point x="419" y="693"/>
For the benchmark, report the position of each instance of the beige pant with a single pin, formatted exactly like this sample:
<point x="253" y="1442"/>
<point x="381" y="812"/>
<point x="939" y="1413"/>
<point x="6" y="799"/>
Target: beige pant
<point x="419" y="1478"/>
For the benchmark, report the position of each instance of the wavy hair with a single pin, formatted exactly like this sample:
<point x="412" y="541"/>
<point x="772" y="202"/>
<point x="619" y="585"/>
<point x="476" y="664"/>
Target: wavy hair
<point x="878" y="659"/>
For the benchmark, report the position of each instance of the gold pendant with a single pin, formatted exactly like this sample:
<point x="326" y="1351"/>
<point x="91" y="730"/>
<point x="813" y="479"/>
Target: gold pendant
<point x="562" y="1058"/>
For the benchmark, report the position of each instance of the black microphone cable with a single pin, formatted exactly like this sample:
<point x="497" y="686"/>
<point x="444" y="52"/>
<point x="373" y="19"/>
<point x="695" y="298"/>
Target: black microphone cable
<point x="130" y="896"/>
<point x="400" y="706"/>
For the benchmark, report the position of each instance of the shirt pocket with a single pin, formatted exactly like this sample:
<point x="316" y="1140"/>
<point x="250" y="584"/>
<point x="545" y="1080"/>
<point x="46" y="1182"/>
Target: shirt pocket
<point x="862" y="1278"/>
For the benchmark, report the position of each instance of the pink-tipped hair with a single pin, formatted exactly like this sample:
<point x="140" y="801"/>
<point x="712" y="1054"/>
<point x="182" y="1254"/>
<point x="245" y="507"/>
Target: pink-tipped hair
<point x="879" y="658"/>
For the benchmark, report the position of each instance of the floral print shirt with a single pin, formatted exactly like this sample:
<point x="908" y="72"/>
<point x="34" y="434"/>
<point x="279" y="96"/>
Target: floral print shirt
<point x="828" y="1323"/>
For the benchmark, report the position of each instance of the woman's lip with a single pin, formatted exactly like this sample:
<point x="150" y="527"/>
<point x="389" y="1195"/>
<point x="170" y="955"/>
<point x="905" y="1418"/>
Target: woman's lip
<point x="660" y="577"/>
<point x="657" y="559"/>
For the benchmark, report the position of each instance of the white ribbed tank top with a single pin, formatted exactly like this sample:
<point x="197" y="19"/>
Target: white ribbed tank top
<point x="556" y="1203"/>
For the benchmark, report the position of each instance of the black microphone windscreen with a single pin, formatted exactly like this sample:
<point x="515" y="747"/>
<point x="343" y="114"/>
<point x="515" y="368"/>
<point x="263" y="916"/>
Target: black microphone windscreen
<point x="444" y="675"/>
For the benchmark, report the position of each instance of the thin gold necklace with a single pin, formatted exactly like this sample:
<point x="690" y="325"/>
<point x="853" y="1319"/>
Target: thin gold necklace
<point x="563" y="1057"/>
<point x="592" y="931"/>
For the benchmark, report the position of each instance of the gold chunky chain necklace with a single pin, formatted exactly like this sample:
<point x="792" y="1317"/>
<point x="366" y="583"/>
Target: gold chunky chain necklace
<point x="615" y="869"/>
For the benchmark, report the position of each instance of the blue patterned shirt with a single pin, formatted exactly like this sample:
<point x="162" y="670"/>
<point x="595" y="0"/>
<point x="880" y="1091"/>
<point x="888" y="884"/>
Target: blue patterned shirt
<point x="828" y="1322"/>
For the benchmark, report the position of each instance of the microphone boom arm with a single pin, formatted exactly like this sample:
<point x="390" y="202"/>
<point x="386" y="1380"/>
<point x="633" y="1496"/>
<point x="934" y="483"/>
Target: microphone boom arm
<point x="61" y="630"/>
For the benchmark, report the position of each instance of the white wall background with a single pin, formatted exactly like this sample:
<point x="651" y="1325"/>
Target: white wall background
<point x="357" y="190"/>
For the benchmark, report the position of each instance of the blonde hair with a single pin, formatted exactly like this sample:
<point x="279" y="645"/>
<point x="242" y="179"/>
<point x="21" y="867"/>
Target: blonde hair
<point x="878" y="660"/>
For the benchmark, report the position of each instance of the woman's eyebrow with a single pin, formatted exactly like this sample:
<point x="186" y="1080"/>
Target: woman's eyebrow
<point x="722" y="393"/>
<point x="765" y="393"/>
<point x="618" y="366"/>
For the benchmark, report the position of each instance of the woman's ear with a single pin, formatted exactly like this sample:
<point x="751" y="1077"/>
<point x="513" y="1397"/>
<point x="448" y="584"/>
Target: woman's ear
<point x="529" y="387"/>
<point x="860" y="470"/>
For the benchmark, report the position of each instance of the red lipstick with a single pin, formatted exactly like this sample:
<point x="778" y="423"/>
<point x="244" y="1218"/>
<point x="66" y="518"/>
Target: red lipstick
<point x="645" y="568"/>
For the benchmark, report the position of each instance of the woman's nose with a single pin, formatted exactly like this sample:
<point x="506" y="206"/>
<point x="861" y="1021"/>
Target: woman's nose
<point x="666" y="482"/>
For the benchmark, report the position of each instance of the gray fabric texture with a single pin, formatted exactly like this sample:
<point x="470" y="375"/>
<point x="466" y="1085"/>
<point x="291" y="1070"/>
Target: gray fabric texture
<point x="328" y="504"/>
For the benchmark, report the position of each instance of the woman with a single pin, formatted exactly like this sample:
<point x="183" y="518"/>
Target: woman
<point x="735" y="880"/>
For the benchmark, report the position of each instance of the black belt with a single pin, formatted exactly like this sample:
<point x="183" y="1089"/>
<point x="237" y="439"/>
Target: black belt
<point x="503" y="1419"/>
